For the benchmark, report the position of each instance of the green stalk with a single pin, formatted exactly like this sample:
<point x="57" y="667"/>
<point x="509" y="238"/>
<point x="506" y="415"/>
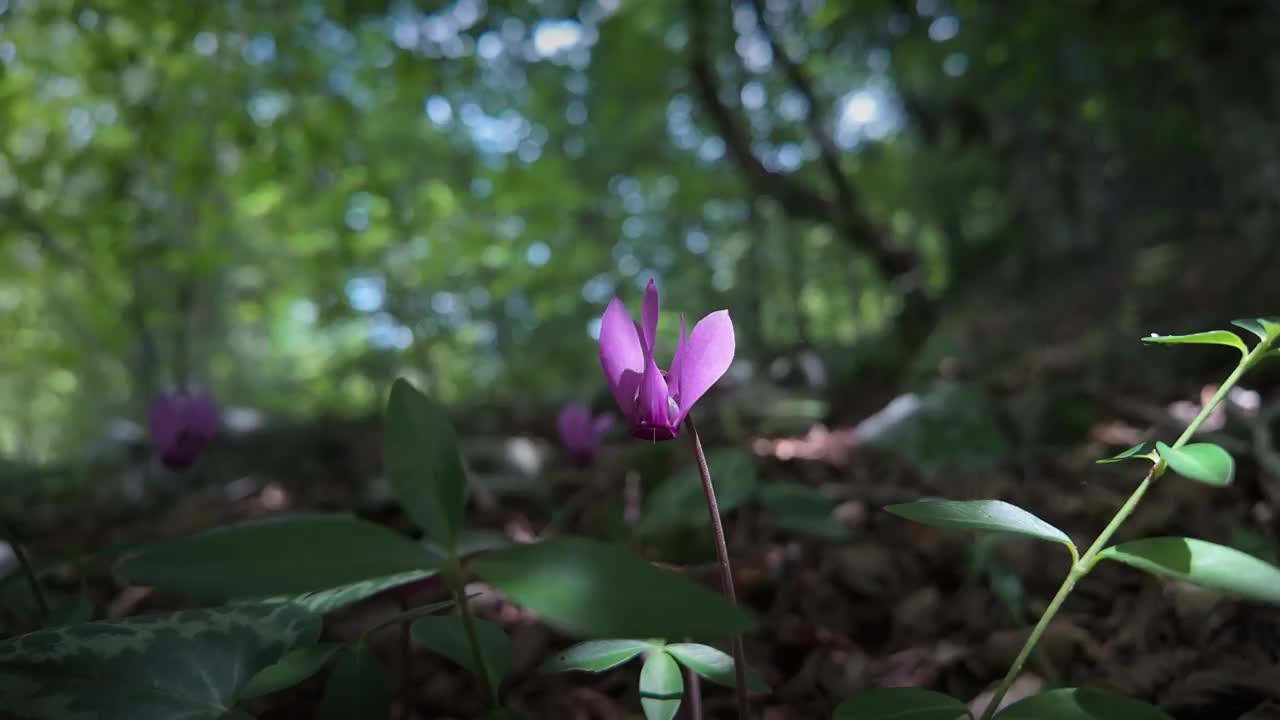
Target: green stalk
<point x="454" y="577"/>
<point x="1085" y="563"/>
<point x="33" y="581"/>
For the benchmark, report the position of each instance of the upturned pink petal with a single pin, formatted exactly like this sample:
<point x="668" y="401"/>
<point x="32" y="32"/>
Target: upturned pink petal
<point x="653" y="418"/>
<point x="649" y="318"/>
<point x="621" y="355"/>
<point x="673" y="376"/>
<point x="702" y="359"/>
<point x="181" y="427"/>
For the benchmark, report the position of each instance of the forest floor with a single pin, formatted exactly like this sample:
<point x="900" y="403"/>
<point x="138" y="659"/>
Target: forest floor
<point x="890" y="603"/>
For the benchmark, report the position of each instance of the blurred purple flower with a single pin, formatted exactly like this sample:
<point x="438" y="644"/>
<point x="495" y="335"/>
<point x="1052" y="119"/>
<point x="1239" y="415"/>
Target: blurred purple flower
<point x="580" y="433"/>
<point x="181" y="427"/>
<point x="656" y="403"/>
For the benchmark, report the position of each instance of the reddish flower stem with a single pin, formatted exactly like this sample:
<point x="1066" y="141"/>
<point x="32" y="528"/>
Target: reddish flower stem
<point x="726" y="572"/>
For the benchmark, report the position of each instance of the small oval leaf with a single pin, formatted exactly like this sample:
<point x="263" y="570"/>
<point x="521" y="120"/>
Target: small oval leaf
<point x="1202" y="563"/>
<point x="714" y="665"/>
<point x="801" y="509"/>
<point x="901" y="704"/>
<point x="679" y="500"/>
<point x="1252" y="326"/>
<point x="596" y="589"/>
<point x="1212" y="337"/>
<point x="1202" y="462"/>
<point x="1141" y="450"/>
<point x="597" y="655"/>
<point x="1080" y="704"/>
<point x="661" y="687"/>
<point x="447" y="636"/>
<point x="289" y="671"/>
<point x="986" y="515"/>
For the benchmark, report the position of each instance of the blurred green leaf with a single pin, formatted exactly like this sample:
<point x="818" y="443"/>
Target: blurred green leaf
<point x="284" y="554"/>
<point x="598" y="655"/>
<point x="801" y="509"/>
<point x="357" y="687"/>
<point x="1202" y="462"/>
<point x="336" y="598"/>
<point x="446" y="635"/>
<point x="661" y="687"/>
<point x="1201" y="563"/>
<point x="422" y="463"/>
<point x="901" y="704"/>
<point x="1212" y="337"/>
<point x="290" y="670"/>
<point x="984" y="515"/>
<point x="714" y="665"/>
<point x="681" y="501"/>
<point x="597" y="590"/>
<point x="1080" y="704"/>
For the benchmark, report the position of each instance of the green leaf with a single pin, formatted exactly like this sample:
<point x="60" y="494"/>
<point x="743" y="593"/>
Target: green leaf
<point x="1252" y="326"/>
<point x="595" y="589"/>
<point x="190" y="664"/>
<point x="446" y="635"/>
<point x="291" y="670"/>
<point x="326" y="601"/>
<point x="357" y="687"/>
<point x="278" y="555"/>
<point x="1212" y="337"/>
<point x="713" y="664"/>
<point x="901" y="704"/>
<point x="1271" y="326"/>
<point x="1202" y="563"/>
<point x="801" y="509"/>
<point x="422" y="462"/>
<point x="1141" y="450"/>
<point x="1080" y="704"/>
<point x="661" y="687"/>
<point x="680" y="500"/>
<point x="987" y="515"/>
<point x="1202" y="462"/>
<point x="597" y="655"/>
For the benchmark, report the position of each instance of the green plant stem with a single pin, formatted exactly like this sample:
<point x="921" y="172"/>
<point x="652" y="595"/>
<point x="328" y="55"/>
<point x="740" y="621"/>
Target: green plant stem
<point x="407" y="615"/>
<point x="458" y="588"/>
<point x="37" y="592"/>
<point x="726" y="571"/>
<point x="1082" y="566"/>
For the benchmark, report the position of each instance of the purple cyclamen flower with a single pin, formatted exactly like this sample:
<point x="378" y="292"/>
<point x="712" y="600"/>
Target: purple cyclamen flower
<point x="181" y="427"/>
<point x="580" y="433"/>
<point x="655" y="403"/>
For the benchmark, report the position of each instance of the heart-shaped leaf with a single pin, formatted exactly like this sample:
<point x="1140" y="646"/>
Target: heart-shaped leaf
<point x="291" y="670"/>
<point x="679" y="501"/>
<point x="422" y="463"/>
<point x="1080" y="704"/>
<point x="714" y="665"/>
<point x="595" y="589"/>
<point x="190" y="664"/>
<point x="1144" y="450"/>
<point x="357" y="687"/>
<point x="985" y="515"/>
<point x="1202" y="462"/>
<point x="901" y="704"/>
<point x="1212" y="337"/>
<point x="1202" y="563"/>
<point x="446" y="635"/>
<point x="801" y="509"/>
<point x="284" y="554"/>
<point x="598" y="655"/>
<point x="661" y="687"/>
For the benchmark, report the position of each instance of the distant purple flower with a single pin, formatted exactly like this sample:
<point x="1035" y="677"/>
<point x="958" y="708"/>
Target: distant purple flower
<point x="656" y="403"/>
<point x="580" y="433"/>
<point x="181" y="427"/>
